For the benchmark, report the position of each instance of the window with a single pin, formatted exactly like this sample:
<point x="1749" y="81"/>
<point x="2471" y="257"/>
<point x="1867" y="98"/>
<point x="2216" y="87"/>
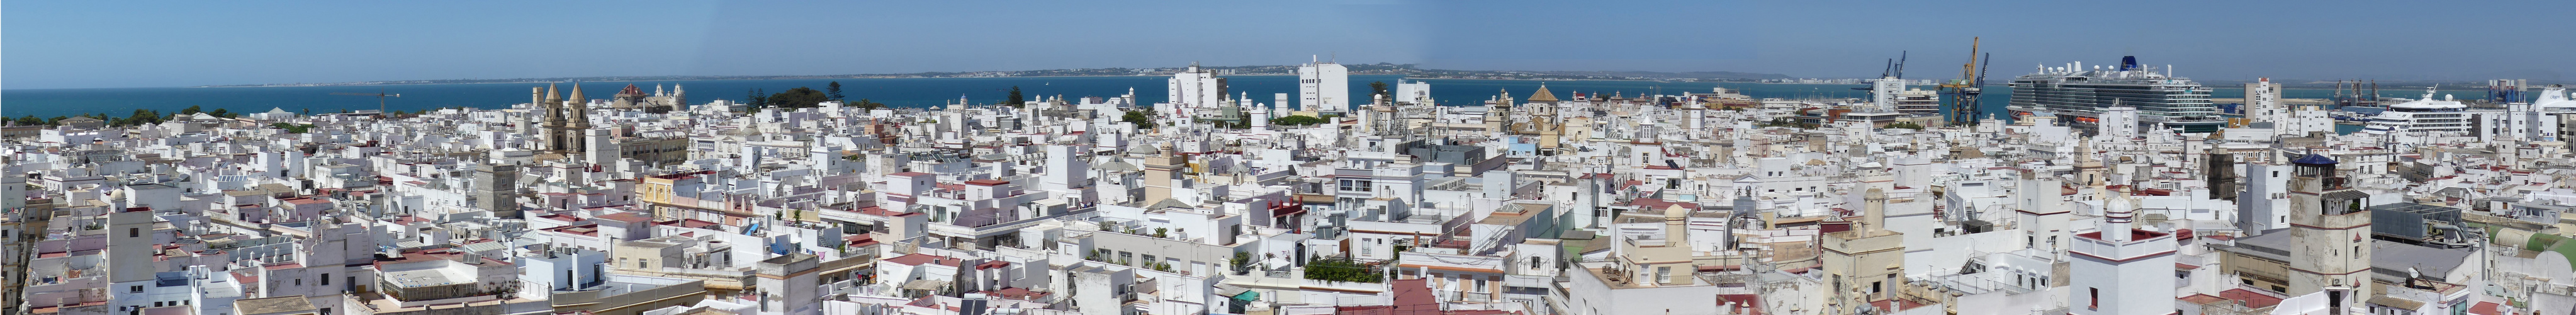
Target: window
<point x="326" y="279"/>
<point x="2096" y="297"/>
<point x="1665" y="274"/>
<point x="133" y="232"/>
<point x="135" y="289"/>
<point x="299" y="282"/>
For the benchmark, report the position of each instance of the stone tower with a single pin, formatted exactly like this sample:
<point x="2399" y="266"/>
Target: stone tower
<point x="1864" y="264"/>
<point x="2330" y="235"/>
<point x="496" y="189"/>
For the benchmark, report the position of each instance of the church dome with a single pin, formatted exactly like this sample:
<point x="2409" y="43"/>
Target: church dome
<point x="1145" y="149"/>
<point x="1542" y="95"/>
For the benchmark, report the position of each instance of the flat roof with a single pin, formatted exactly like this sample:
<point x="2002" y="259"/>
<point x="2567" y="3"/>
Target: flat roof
<point x="283" y="304"/>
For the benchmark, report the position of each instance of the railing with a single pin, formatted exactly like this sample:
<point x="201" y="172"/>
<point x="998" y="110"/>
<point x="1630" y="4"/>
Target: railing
<point x="1475" y="296"/>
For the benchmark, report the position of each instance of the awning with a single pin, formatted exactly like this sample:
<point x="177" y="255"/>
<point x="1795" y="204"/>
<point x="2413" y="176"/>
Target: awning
<point x="1229" y="289"/>
<point x="1248" y="296"/>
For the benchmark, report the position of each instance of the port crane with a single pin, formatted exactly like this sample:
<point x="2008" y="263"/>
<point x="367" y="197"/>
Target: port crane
<point x="380" y="99"/>
<point x="1963" y="92"/>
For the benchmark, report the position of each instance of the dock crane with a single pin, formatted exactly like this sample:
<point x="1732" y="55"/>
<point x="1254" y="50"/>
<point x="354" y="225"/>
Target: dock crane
<point x="380" y="100"/>
<point x="1963" y="92"/>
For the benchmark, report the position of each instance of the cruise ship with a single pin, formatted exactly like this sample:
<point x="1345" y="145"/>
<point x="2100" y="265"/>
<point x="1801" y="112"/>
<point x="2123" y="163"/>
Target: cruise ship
<point x="2422" y="114"/>
<point x="2077" y="96"/>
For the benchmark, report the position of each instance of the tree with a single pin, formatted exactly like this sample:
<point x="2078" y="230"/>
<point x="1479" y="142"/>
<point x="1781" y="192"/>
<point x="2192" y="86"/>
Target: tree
<point x="1380" y="87"/>
<point x="1343" y="270"/>
<point x="755" y="100"/>
<point x="1297" y="120"/>
<point x="833" y="91"/>
<point x="219" y="112"/>
<point x="293" y="128"/>
<point x="1014" y="100"/>
<point x="141" y="116"/>
<point x="30" y="120"/>
<point x="867" y="104"/>
<point x="1140" y="118"/>
<point x="799" y="97"/>
<point x="1906" y="125"/>
<point x="192" y="109"/>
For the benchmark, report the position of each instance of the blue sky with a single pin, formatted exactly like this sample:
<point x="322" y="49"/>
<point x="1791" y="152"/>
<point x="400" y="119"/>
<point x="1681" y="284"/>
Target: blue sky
<point x="77" y="44"/>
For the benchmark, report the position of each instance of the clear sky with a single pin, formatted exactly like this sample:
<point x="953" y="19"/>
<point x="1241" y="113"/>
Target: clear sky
<point x="85" y="44"/>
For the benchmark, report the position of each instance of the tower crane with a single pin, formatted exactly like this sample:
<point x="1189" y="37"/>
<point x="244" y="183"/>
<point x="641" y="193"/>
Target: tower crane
<point x="380" y="99"/>
<point x="1963" y="92"/>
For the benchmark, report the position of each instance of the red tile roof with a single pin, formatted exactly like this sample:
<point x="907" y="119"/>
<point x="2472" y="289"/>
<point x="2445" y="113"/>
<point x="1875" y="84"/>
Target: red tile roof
<point x="921" y="259"/>
<point x="2485" y="308"/>
<point x="628" y="217"/>
<point x="2251" y="299"/>
<point x="2134" y="234"/>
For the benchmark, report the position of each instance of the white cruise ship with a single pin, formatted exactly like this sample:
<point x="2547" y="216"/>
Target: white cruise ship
<point x="2078" y="95"/>
<point x="2422" y="114"/>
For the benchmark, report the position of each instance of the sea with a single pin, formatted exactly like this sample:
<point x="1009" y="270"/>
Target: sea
<point x="901" y="92"/>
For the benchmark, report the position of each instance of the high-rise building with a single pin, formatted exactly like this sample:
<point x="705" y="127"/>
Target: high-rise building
<point x="2330" y="231"/>
<point x="1196" y="87"/>
<point x="2263" y="102"/>
<point x="1882" y="92"/>
<point x="1415" y="92"/>
<point x="1326" y="87"/>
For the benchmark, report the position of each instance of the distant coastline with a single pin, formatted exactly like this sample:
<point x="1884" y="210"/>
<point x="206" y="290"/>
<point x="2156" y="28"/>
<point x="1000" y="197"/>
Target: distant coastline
<point x="1274" y="70"/>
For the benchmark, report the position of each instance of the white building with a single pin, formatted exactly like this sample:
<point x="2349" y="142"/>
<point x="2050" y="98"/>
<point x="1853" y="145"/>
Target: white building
<point x="1326" y="87"/>
<point x="2123" y="270"/>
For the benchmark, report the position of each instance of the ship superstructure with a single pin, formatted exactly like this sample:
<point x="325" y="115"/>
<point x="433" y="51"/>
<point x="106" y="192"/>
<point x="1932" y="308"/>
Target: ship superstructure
<point x="2078" y="95"/>
<point x="2422" y="114"/>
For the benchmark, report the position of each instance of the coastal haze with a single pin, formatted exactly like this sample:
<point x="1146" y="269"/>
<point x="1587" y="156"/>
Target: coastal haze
<point x="900" y="92"/>
<point x="1342" y="157"/>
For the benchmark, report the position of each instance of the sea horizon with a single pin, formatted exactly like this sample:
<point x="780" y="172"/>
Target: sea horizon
<point x="897" y="92"/>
